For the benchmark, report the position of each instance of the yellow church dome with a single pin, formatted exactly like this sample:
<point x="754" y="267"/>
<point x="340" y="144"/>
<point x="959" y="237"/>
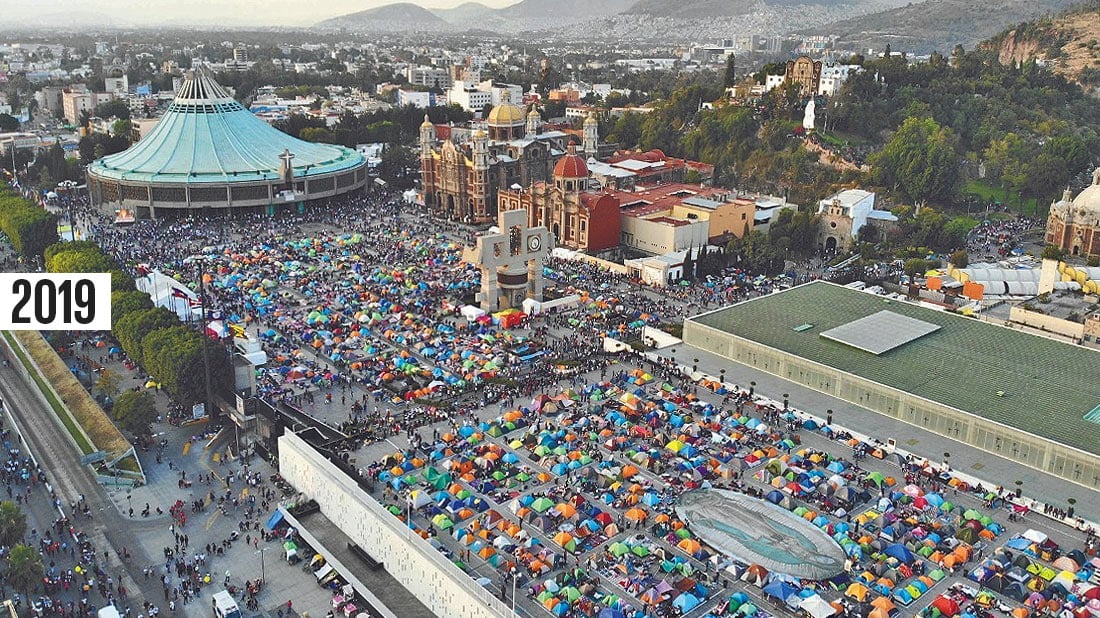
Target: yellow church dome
<point x="506" y="114"/>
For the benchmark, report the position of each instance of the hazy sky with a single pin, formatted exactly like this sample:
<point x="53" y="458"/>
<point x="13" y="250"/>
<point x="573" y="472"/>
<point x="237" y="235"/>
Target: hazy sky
<point x="227" y="12"/>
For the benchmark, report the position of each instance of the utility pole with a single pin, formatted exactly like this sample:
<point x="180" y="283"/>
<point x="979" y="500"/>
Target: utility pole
<point x="202" y="329"/>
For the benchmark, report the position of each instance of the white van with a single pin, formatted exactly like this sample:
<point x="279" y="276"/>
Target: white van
<point x="225" y="606"/>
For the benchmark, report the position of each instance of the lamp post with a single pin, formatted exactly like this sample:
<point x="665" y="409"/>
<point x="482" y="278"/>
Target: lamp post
<point x="515" y="576"/>
<point x="947" y="461"/>
<point x="752" y="388"/>
<point x="828" y="417"/>
<point x="1019" y="488"/>
<point x="209" y="409"/>
<point x="1069" y="511"/>
<point x="695" y="365"/>
<point x="786" y="400"/>
<point x="263" y="573"/>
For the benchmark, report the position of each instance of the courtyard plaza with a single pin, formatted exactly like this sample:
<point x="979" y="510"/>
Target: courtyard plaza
<point x="586" y="325"/>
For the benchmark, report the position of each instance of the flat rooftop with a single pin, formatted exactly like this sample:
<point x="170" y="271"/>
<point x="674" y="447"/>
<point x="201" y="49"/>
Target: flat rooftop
<point x="1048" y="386"/>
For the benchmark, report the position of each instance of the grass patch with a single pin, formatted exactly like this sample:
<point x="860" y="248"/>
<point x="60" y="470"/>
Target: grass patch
<point x="676" y="330"/>
<point x="78" y="403"/>
<point x="988" y="193"/>
<point x="66" y="418"/>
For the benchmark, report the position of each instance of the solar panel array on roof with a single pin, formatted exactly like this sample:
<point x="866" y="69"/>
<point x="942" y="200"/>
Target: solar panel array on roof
<point x="880" y="332"/>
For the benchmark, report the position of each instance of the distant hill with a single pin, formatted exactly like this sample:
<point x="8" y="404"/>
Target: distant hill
<point x="565" y="10"/>
<point x="524" y="15"/>
<point x="466" y="11"/>
<point x="937" y="24"/>
<point x="1067" y="44"/>
<point x="693" y="8"/>
<point x="397" y="17"/>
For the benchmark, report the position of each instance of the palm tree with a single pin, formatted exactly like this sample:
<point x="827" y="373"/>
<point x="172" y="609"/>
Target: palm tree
<point x="25" y="569"/>
<point x="13" y="523"/>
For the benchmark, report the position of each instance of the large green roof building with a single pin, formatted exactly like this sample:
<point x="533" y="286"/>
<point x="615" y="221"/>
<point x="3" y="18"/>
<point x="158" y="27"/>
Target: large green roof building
<point x="209" y="151"/>
<point x="1021" y="396"/>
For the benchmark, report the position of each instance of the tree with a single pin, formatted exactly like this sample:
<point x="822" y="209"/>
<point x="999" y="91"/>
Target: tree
<point x="730" y="78"/>
<point x="13" y="523"/>
<point x="25" y="568"/>
<point x="920" y="160"/>
<point x="123" y="302"/>
<point x="135" y="411"/>
<point x="8" y="123"/>
<point x="1053" y="252"/>
<point x="132" y="328"/>
<point x="316" y="134"/>
<point x="108" y="383"/>
<point x="959" y="259"/>
<point x="117" y="108"/>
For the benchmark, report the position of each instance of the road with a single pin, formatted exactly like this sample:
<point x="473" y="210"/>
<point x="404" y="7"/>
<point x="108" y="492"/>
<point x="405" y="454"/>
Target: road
<point x="55" y="452"/>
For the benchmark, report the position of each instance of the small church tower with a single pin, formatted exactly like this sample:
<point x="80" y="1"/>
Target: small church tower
<point x="591" y="135"/>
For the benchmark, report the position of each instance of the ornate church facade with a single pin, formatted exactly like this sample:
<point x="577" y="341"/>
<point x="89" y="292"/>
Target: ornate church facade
<point x="1074" y="222"/>
<point x="460" y="181"/>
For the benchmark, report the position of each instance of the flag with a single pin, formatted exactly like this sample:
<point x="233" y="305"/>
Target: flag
<point x="178" y="293"/>
<point x="194" y="303"/>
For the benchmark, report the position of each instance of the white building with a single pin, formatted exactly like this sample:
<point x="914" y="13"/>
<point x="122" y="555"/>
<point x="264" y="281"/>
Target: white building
<point x="768" y="208"/>
<point x="429" y="77"/>
<point x="470" y="98"/>
<point x="856" y="204"/>
<point x="416" y="98"/>
<point x="834" y="76"/>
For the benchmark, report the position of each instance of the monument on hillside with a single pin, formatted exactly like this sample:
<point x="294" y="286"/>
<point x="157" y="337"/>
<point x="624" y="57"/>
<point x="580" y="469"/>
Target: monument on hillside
<point x="810" y="117"/>
<point x="510" y="260"/>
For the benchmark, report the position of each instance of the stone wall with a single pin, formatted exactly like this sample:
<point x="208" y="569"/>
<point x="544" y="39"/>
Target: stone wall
<point x="426" y="573"/>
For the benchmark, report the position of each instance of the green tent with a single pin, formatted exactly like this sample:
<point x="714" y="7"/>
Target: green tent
<point x="542" y="505"/>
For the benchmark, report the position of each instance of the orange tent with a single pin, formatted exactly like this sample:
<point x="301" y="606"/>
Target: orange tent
<point x="566" y="510"/>
<point x="857" y="591"/>
<point x="884" y="603"/>
<point x="636" y="514"/>
<point x="689" y="545"/>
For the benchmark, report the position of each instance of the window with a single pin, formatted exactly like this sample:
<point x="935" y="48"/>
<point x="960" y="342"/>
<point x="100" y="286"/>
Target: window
<point x="743" y="216"/>
<point x="514" y="235"/>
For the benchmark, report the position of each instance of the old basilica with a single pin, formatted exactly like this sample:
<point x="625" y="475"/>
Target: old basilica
<point x="460" y="180"/>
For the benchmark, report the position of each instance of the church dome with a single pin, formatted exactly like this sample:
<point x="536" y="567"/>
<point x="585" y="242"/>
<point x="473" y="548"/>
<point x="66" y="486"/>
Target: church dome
<point x="506" y="114"/>
<point x="1088" y="201"/>
<point x="571" y="165"/>
<point x="1084" y="209"/>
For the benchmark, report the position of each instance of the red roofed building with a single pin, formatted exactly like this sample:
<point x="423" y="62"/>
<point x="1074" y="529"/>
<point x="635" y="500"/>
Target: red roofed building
<point x="579" y="219"/>
<point x="626" y="169"/>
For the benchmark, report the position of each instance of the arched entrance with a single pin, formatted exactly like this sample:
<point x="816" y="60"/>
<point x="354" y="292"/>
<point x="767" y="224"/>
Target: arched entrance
<point x="556" y="230"/>
<point x="451" y="206"/>
<point x="830" y="245"/>
<point x="1076" y="249"/>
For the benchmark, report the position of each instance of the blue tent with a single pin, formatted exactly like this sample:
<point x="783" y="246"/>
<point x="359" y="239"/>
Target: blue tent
<point x="780" y="589"/>
<point x="899" y="551"/>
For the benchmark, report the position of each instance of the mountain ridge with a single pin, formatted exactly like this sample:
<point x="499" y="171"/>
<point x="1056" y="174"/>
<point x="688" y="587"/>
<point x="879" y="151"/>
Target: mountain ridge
<point x="936" y="25"/>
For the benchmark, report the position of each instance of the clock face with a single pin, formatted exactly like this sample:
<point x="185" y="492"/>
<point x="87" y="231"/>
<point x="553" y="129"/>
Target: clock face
<point x="534" y="243"/>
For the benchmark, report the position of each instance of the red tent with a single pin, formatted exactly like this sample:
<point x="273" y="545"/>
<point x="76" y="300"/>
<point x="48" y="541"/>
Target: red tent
<point x="946" y="606"/>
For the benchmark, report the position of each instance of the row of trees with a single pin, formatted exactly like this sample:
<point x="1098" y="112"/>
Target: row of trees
<point x="30" y="228"/>
<point x="25" y="567"/>
<point x="152" y="336"/>
<point x="85" y="256"/>
<point x="166" y="348"/>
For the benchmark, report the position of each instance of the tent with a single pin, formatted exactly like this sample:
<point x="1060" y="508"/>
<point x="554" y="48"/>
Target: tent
<point x="816" y="607"/>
